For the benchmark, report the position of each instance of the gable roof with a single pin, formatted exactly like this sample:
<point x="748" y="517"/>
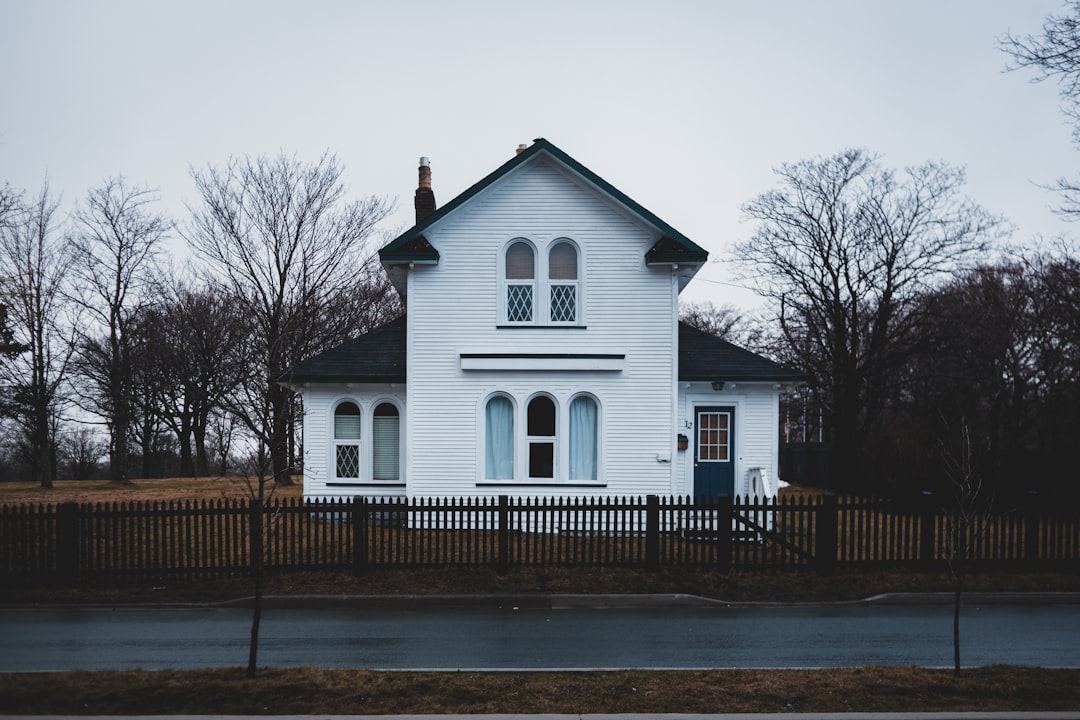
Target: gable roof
<point x="412" y="246"/>
<point x="707" y="358"/>
<point x="376" y="356"/>
<point x="379" y="356"/>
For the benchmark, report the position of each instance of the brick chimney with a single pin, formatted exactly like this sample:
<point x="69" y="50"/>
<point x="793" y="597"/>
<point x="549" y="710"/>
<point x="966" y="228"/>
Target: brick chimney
<point x="424" y="202"/>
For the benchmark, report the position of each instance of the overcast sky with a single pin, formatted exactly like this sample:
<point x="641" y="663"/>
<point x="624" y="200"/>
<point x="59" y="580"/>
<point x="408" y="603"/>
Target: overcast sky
<point x="684" y="105"/>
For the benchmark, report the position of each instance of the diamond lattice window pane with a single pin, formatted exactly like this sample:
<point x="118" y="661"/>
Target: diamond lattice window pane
<point x="519" y="303"/>
<point x="348" y="461"/>
<point x="563" y="303"/>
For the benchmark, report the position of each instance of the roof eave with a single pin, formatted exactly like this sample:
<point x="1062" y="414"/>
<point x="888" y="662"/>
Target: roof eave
<point x="690" y="251"/>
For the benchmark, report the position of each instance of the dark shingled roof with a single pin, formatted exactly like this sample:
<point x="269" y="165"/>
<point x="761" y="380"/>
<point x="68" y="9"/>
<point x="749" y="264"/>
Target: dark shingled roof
<point x="708" y="358"/>
<point x="377" y="356"/>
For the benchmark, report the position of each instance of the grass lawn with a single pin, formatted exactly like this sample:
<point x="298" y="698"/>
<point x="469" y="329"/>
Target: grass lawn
<point x="311" y="690"/>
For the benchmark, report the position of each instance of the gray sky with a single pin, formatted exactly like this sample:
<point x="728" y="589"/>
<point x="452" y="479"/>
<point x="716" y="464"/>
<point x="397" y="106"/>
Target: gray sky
<point x="684" y="105"/>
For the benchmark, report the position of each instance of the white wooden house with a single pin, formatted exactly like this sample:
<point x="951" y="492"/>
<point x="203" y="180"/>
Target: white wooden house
<point x="541" y="355"/>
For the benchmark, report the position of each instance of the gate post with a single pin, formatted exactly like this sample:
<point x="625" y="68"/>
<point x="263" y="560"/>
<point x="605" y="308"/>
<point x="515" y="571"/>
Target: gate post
<point x="503" y="565"/>
<point x="827" y="532"/>
<point x="652" y="532"/>
<point x="67" y="543"/>
<point x="359" y="528"/>
<point x="725" y="519"/>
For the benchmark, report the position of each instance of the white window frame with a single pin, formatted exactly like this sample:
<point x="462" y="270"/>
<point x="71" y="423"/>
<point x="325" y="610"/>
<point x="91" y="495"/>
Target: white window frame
<point x="515" y="454"/>
<point x="553" y="440"/>
<point x="598" y="440"/>
<point x="550" y="283"/>
<point x="522" y="440"/>
<point x="506" y="283"/>
<point x="541" y="284"/>
<point x="400" y="443"/>
<point x="365" y="444"/>
<point x="337" y="443"/>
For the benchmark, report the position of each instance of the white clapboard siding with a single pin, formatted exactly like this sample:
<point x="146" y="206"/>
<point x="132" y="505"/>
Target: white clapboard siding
<point x="756" y="429"/>
<point x="453" y="308"/>
<point x="319" y="404"/>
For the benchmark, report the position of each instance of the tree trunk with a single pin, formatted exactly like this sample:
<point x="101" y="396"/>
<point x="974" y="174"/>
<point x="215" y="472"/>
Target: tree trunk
<point x="187" y="467"/>
<point x="956" y="624"/>
<point x="279" y="439"/>
<point x="256" y="544"/>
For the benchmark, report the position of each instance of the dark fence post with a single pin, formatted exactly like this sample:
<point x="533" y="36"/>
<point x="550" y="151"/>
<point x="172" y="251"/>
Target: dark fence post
<point x="725" y="518"/>
<point x="255" y="540"/>
<point x="67" y="543"/>
<point x="927" y="548"/>
<point x="504" y="535"/>
<point x="827" y="533"/>
<point x="652" y="532"/>
<point x="359" y="529"/>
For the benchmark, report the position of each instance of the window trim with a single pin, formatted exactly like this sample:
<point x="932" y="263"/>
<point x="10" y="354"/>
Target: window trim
<point x="550" y="283"/>
<point x="378" y="403"/>
<point x="553" y="439"/>
<point x="505" y="284"/>
<point x="541" y="284"/>
<point x="520" y="406"/>
<point x="366" y="443"/>
<point x="338" y="443"/>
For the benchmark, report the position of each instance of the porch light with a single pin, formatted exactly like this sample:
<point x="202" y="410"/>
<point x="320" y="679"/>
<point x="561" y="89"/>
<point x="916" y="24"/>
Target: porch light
<point x="718" y="385"/>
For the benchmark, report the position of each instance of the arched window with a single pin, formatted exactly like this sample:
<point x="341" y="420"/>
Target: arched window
<point x="563" y="283"/>
<point x="499" y="439"/>
<point x="386" y="443"/>
<point x="347" y="440"/>
<point x="584" y="437"/>
<point x="520" y="275"/>
<point x="541" y="437"/>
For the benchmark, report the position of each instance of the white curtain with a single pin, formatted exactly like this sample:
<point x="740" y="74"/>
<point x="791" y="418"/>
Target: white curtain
<point x="499" y="439"/>
<point x="583" y="439"/>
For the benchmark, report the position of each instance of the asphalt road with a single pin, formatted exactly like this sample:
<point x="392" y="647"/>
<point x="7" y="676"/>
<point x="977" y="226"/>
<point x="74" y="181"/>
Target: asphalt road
<point x="48" y="639"/>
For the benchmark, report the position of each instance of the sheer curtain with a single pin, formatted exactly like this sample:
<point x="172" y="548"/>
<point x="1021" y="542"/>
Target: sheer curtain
<point x="583" y="439"/>
<point x="499" y="439"/>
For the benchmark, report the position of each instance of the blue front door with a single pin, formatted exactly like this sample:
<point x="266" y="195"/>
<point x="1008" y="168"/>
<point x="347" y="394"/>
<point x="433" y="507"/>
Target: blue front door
<point x="714" y="453"/>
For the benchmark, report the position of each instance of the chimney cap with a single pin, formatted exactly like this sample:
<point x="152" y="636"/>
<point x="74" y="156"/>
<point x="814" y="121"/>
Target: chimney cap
<point x="424" y="162"/>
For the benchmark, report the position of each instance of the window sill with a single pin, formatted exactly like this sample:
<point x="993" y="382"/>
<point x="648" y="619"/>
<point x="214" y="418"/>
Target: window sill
<point x="543" y="483"/>
<point x="370" y="483"/>
<point x="530" y="326"/>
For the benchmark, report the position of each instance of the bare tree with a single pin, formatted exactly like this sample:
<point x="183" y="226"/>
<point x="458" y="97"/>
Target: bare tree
<point x="1055" y="55"/>
<point x="968" y="517"/>
<point x="842" y="248"/>
<point x="722" y="321"/>
<point x="194" y="357"/>
<point x="114" y="248"/>
<point x="80" y="450"/>
<point x="279" y="237"/>
<point x="36" y="266"/>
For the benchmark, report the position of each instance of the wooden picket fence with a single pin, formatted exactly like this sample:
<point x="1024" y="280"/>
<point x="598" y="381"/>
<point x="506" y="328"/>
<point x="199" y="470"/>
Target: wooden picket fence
<point x="81" y="543"/>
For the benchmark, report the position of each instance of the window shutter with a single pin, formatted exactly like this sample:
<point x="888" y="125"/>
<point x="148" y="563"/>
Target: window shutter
<point x="347" y="422"/>
<point x="386" y="451"/>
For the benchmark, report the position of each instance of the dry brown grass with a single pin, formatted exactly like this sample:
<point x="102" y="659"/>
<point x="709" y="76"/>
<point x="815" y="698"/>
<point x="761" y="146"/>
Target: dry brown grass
<point x="343" y="692"/>
<point x="154" y="490"/>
